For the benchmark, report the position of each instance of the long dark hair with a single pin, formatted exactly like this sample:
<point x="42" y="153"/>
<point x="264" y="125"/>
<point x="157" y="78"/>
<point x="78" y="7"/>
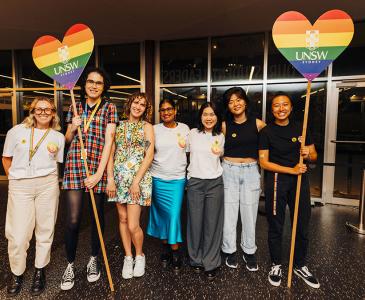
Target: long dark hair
<point x="102" y="73"/>
<point x="217" y="129"/>
<point x="240" y="93"/>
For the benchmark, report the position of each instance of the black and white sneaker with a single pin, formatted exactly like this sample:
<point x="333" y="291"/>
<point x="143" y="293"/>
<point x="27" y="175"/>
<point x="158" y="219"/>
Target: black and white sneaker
<point x="251" y="263"/>
<point x="275" y="275"/>
<point x="68" y="278"/>
<point x="92" y="269"/>
<point x="231" y="260"/>
<point x="307" y="276"/>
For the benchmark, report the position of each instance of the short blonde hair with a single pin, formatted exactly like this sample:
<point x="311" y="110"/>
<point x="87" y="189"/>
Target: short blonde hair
<point x="30" y="121"/>
<point x="147" y="115"/>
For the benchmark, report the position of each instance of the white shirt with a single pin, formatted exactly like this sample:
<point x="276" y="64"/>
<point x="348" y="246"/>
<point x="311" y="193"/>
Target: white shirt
<point x="205" y="151"/>
<point x="44" y="161"/>
<point x="169" y="161"/>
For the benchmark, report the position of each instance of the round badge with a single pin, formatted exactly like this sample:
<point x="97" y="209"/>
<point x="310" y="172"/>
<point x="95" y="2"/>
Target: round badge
<point x="234" y="135"/>
<point x="52" y="147"/>
<point x="294" y="139"/>
<point x="23" y="141"/>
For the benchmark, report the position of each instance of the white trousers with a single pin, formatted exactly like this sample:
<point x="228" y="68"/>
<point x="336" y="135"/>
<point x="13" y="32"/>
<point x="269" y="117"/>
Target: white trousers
<point x="32" y="206"/>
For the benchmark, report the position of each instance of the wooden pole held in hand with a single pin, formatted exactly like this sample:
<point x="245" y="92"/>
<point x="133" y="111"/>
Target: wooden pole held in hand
<point x="91" y="191"/>
<point x="299" y="182"/>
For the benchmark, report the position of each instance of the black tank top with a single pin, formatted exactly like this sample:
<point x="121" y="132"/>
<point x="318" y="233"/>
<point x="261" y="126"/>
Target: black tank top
<point x="241" y="139"/>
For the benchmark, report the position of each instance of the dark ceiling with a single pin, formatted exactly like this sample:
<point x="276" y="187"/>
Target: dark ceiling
<point x="113" y="21"/>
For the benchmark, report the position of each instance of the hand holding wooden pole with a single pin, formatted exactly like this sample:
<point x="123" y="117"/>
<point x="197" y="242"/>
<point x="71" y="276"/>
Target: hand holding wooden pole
<point x="299" y="183"/>
<point x="91" y="191"/>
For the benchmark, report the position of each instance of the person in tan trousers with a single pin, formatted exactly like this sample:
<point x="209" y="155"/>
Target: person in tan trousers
<point x="31" y="152"/>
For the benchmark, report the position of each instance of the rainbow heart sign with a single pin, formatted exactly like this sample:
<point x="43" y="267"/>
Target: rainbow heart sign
<point x="64" y="62"/>
<point x="311" y="48"/>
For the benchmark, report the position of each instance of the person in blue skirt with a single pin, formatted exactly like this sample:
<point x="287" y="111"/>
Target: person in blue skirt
<point x="168" y="183"/>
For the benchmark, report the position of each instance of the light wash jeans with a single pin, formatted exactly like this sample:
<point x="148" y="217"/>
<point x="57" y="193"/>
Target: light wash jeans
<point x="241" y="192"/>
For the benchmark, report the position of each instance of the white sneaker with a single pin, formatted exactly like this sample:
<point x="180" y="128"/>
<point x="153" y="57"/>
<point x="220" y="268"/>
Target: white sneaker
<point x="139" y="266"/>
<point x="68" y="278"/>
<point x="127" y="272"/>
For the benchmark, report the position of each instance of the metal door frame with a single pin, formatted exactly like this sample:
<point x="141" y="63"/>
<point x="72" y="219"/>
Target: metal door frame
<point x="331" y="135"/>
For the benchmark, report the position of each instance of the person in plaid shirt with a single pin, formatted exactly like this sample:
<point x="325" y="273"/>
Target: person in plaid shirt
<point x="97" y="118"/>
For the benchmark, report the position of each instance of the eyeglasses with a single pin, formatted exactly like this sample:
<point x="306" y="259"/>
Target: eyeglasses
<point x="168" y="110"/>
<point x="47" y="111"/>
<point x="97" y="83"/>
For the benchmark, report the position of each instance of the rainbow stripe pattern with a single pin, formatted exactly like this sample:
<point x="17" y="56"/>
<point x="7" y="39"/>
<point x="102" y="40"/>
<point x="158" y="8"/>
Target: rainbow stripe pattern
<point x="64" y="62"/>
<point x="311" y="48"/>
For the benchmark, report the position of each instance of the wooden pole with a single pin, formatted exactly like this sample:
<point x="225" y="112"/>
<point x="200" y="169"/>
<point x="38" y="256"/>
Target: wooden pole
<point x="91" y="191"/>
<point x="299" y="182"/>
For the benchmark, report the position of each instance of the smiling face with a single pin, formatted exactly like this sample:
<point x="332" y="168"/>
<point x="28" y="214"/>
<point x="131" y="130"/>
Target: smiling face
<point x="209" y="119"/>
<point x="138" y="107"/>
<point x="43" y="114"/>
<point x="281" y="107"/>
<point x="236" y="105"/>
<point x="94" y="86"/>
<point x="167" y="113"/>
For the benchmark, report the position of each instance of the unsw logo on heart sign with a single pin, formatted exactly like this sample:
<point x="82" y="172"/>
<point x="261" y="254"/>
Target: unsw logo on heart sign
<point x="64" y="62"/>
<point x="311" y="48"/>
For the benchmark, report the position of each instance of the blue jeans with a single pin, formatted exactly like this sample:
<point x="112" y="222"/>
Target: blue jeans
<point x="241" y="193"/>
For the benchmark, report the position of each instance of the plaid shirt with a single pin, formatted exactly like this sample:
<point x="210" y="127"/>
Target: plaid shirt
<point x="94" y="140"/>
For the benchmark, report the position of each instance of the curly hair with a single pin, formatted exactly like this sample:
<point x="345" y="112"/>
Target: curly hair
<point x="147" y="115"/>
<point x="30" y="121"/>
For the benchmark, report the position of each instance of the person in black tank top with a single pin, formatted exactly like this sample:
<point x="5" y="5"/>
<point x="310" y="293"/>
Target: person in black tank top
<point x="241" y="177"/>
<point x="280" y="149"/>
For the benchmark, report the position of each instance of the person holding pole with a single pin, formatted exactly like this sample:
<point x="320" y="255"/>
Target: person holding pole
<point x="168" y="170"/>
<point x="129" y="179"/>
<point x="241" y="177"/>
<point x="97" y="119"/>
<point x="30" y="156"/>
<point x="279" y="152"/>
<point x="205" y="195"/>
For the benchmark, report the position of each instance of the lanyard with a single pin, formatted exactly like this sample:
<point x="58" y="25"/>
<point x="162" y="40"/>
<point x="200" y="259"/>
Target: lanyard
<point x="87" y="124"/>
<point x="32" y="150"/>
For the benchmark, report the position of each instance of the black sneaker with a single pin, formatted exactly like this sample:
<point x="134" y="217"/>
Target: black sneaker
<point x="275" y="275"/>
<point x="68" y="278"/>
<point x="231" y="260"/>
<point x="92" y="269"/>
<point x="250" y="260"/>
<point x="307" y="276"/>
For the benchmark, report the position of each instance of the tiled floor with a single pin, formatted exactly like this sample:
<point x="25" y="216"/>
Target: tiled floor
<point x="336" y="256"/>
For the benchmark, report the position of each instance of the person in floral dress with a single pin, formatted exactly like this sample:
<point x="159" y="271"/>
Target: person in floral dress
<point x="129" y="179"/>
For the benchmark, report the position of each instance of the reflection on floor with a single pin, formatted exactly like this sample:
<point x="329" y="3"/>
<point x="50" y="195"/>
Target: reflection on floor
<point x="336" y="257"/>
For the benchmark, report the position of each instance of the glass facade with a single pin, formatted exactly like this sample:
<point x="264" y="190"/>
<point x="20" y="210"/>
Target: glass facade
<point x="197" y="70"/>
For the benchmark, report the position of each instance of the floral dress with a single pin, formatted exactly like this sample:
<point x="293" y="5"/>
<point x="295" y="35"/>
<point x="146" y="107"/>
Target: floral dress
<point x="130" y="151"/>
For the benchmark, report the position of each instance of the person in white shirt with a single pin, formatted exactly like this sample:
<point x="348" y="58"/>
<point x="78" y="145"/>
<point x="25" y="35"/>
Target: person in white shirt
<point x="205" y="193"/>
<point x="31" y="152"/>
<point x="168" y="183"/>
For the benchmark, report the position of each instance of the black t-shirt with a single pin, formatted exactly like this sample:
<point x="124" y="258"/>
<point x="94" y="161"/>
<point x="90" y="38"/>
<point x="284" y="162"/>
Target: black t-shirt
<point x="283" y="143"/>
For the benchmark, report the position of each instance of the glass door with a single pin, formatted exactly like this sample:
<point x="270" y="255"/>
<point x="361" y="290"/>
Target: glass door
<point x="345" y="143"/>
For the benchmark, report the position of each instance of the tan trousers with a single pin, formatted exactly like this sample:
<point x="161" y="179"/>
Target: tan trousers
<point x="32" y="206"/>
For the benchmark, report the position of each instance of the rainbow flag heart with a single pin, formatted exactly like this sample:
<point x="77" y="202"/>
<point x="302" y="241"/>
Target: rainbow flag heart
<point x="311" y="48"/>
<point x="64" y="62"/>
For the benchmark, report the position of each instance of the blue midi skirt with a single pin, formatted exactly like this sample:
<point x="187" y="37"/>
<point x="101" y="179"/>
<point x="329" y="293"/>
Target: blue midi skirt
<point x="164" y="221"/>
